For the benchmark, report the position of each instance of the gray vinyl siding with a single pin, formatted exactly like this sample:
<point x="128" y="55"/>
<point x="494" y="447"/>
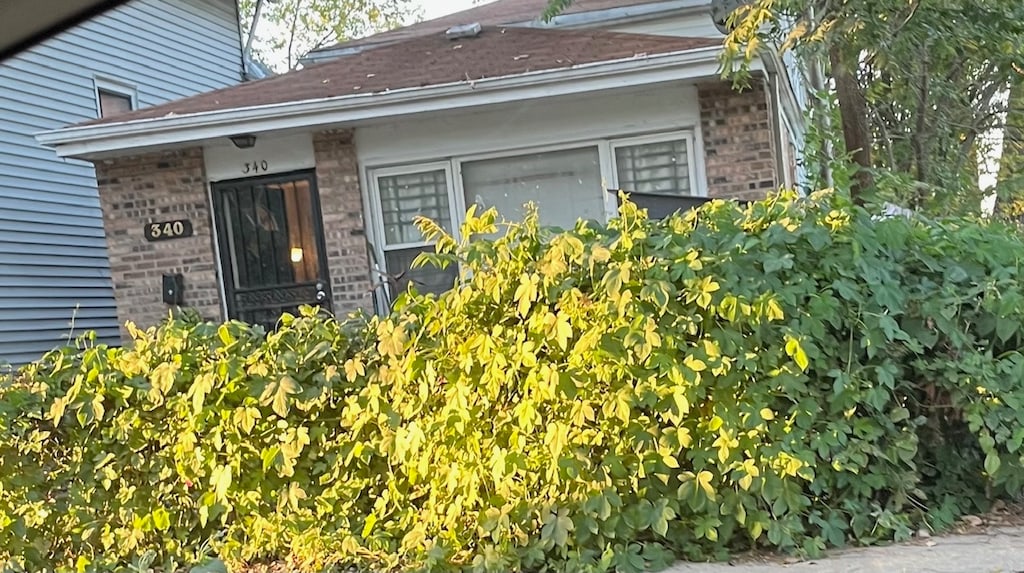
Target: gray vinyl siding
<point x="54" y="271"/>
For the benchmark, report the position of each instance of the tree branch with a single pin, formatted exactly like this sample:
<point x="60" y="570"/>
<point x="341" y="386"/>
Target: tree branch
<point x="291" y="37"/>
<point x="918" y="140"/>
<point x="972" y="134"/>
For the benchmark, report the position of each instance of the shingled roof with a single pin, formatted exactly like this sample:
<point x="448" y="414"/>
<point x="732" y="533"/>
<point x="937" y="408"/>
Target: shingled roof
<point x="428" y="61"/>
<point x="497" y="13"/>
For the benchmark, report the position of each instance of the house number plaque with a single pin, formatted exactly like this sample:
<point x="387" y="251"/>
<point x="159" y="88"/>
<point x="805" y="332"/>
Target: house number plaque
<point x="165" y="230"/>
<point x="254" y="167"/>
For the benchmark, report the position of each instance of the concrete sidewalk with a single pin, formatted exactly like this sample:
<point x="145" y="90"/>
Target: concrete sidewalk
<point x="997" y="550"/>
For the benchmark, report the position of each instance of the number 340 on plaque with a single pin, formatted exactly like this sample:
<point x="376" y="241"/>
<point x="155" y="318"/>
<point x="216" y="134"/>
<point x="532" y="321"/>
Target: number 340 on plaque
<point x="164" y="230"/>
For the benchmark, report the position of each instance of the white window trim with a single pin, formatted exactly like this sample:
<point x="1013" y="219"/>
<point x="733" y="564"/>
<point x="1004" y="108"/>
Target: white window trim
<point x="373" y="207"/>
<point x="115" y="87"/>
<point x="696" y="189"/>
<point x="377" y="213"/>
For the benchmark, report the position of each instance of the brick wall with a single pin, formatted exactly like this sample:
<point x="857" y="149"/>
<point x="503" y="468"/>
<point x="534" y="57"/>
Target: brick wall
<point x="738" y="143"/>
<point x="161" y="186"/>
<point x="337" y="174"/>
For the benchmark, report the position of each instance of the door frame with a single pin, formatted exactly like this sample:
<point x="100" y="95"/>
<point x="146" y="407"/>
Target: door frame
<point x="224" y="263"/>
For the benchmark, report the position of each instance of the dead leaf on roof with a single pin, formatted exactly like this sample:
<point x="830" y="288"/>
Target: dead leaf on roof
<point x="521" y="57"/>
<point x="370" y="75"/>
<point x="457" y="47"/>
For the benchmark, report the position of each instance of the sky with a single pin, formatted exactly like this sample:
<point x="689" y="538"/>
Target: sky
<point x="436" y="8"/>
<point x="429" y="9"/>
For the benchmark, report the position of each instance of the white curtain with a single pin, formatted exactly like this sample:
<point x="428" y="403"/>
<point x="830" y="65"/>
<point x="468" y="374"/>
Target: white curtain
<point x="565" y="185"/>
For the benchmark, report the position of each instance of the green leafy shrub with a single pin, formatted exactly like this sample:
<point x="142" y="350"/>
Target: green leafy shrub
<point x="792" y="375"/>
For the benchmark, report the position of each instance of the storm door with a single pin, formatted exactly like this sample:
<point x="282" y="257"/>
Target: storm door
<point x="271" y="246"/>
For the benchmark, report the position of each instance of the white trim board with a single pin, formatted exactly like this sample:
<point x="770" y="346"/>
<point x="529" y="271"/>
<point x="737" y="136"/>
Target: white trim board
<point x="281" y="154"/>
<point x="525" y="126"/>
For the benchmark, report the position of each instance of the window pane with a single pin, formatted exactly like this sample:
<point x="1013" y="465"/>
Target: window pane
<point x="113" y="103"/>
<point x="426" y="279"/>
<point x="271" y="234"/>
<point x="661" y="168"/>
<point x="565" y="185"/>
<point x="403" y="197"/>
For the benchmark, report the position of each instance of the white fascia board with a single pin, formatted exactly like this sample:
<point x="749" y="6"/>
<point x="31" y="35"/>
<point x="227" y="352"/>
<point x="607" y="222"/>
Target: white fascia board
<point x="175" y="130"/>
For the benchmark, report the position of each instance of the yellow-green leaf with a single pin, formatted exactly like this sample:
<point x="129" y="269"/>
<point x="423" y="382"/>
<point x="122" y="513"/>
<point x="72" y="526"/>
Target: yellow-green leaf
<point x="161" y="519"/>
<point x="371" y="520"/>
<point x="220" y="481"/>
<point x="796" y="352"/>
<point x="704" y="481"/>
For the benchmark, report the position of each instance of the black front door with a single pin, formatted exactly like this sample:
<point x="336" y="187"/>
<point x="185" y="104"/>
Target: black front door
<point x="272" y="246"/>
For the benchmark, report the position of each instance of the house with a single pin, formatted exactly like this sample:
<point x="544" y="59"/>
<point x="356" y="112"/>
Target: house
<point x="54" y="272"/>
<point x="248" y="201"/>
<point x="23" y="24"/>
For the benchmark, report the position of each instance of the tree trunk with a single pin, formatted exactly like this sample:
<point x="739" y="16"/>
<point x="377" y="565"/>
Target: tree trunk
<point x="1010" y="181"/>
<point x="853" y="113"/>
<point x="1012" y="161"/>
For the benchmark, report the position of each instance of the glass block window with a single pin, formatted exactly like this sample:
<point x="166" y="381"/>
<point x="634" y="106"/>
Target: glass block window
<point x="661" y="167"/>
<point x="404" y="197"/>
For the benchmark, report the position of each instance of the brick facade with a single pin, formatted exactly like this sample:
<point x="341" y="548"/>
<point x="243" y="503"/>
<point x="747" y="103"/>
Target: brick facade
<point x="142" y="189"/>
<point x="138" y="190"/>
<point x="162" y="186"/>
<point x="738" y="142"/>
<point x="337" y="175"/>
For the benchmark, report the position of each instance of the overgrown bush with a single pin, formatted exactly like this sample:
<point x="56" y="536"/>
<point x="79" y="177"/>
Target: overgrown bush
<point x="791" y="375"/>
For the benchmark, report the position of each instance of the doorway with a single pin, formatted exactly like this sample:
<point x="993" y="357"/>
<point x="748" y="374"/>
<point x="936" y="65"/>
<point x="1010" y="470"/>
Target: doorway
<point x="271" y="241"/>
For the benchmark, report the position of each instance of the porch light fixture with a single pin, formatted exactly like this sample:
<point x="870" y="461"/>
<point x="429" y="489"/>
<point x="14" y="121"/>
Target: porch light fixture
<point x="243" y="141"/>
<point x="296" y="254"/>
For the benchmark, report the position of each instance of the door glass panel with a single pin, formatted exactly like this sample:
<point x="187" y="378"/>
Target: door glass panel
<point x="271" y="247"/>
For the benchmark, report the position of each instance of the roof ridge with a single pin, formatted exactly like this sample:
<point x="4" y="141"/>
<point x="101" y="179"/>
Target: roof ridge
<point x="489" y="14"/>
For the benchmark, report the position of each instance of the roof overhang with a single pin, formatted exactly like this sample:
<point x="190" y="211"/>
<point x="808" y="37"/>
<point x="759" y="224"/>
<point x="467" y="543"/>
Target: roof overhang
<point x="112" y="139"/>
<point x="24" y="23"/>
